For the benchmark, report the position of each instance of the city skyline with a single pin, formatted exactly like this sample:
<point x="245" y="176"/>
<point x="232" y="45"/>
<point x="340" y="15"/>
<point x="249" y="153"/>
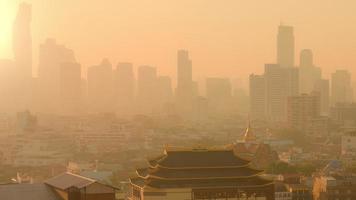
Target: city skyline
<point x="230" y="54"/>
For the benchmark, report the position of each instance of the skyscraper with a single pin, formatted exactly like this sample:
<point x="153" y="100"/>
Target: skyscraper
<point x="22" y="41"/>
<point x="51" y="57"/>
<point x="341" y="89"/>
<point x="22" y="49"/>
<point x="184" y="92"/>
<point x="124" y="87"/>
<point x="285" y="46"/>
<point x="257" y="96"/>
<point x="308" y="73"/>
<point x="100" y="88"/>
<point x="280" y="84"/>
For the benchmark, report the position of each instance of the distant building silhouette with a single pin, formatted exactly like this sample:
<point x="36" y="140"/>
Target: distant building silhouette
<point x="308" y="73"/>
<point x="51" y="58"/>
<point x="257" y="97"/>
<point x="100" y="88"/>
<point x="341" y="89"/>
<point x="8" y="86"/>
<point x="22" y="49"/>
<point x="164" y="90"/>
<point x="285" y="46"/>
<point x="302" y="109"/>
<point x="184" y="91"/>
<point x="124" y="87"/>
<point x="280" y="83"/>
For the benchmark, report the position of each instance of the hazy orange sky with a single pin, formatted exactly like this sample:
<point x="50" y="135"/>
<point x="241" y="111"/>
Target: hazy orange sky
<point x="225" y="37"/>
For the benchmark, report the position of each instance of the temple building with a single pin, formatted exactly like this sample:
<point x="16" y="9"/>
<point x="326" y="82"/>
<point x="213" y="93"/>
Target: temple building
<point x="260" y="154"/>
<point x="199" y="174"/>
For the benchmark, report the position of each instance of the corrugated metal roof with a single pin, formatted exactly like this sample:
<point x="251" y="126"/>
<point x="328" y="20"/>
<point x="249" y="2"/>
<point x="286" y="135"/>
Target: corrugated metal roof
<point x="38" y="191"/>
<point x="67" y="180"/>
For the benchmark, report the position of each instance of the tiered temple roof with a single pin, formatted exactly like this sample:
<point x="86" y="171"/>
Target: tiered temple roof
<point x="199" y="168"/>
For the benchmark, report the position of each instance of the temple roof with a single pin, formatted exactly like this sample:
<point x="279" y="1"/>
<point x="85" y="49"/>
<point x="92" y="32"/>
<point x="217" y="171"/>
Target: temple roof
<point x="198" y="168"/>
<point x="212" y="173"/>
<point x="202" y="158"/>
<point x="249" y="135"/>
<point x="199" y="183"/>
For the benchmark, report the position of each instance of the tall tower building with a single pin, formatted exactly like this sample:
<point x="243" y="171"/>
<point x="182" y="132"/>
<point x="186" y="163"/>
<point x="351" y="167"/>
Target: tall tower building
<point x="100" y="88"/>
<point x="22" y="49"/>
<point x="257" y="96"/>
<point x="51" y="57"/>
<point x="285" y="46"/>
<point x="124" y="87"/>
<point x="184" y="92"/>
<point x="280" y="84"/>
<point x="308" y="73"/>
<point x="341" y="89"/>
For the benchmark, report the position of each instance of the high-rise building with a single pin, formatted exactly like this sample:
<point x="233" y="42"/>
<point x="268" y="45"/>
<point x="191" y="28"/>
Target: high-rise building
<point x="124" y="87"/>
<point x="285" y="46"/>
<point x="51" y="57"/>
<point x="8" y="86"/>
<point x="184" y="91"/>
<point x="257" y="96"/>
<point x="322" y="87"/>
<point x="308" y="73"/>
<point x="218" y="93"/>
<point x="70" y="89"/>
<point x="341" y="89"/>
<point x="22" y="49"/>
<point x="146" y="89"/>
<point x="302" y="109"/>
<point x="280" y="84"/>
<point x="100" y="88"/>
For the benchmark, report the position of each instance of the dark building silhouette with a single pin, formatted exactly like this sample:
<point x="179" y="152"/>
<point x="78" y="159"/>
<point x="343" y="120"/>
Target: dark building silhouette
<point x="257" y="97"/>
<point x="285" y="46"/>
<point x="100" y="88"/>
<point x="164" y="91"/>
<point x="322" y="87"/>
<point x="124" y="87"/>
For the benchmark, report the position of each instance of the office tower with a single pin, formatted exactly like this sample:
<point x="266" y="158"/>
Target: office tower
<point x="100" y="88"/>
<point x="184" y="91"/>
<point x="124" y="87"/>
<point x="322" y="87"/>
<point x="51" y="57"/>
<point x="280" y="83"/>
<point x="257" y="96"/>
<point x="308" y="73"/>
<point x="146" y="89"/>
<point x="70" y="89"/>
<point x="22" y="49"/>
<point x="285" y="46"/>
<point x="302" y="109"/>
<point x="341" y="89"/>
<point x="218" y="93"/>
<point x="164" y="89"/>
